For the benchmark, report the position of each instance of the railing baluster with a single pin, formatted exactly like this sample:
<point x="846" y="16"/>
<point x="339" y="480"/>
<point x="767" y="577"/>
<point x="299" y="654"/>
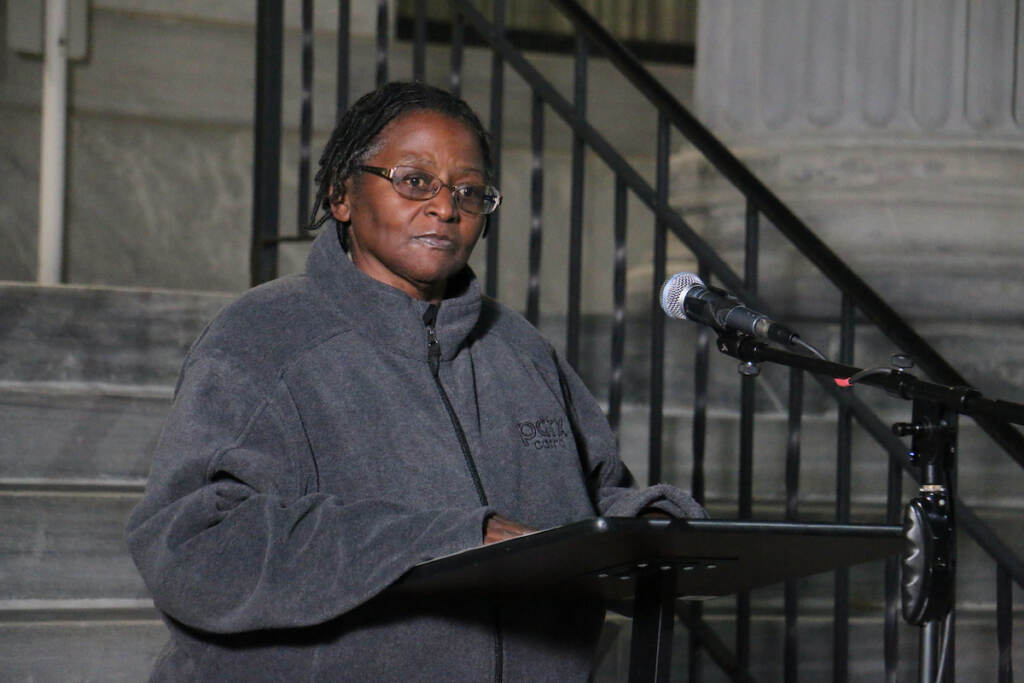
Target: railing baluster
<point x="893" y="515"/>
<point x="748" y="386"/>
<point x="382" y="42"/>
<point x="497" y="104"/>
<point x="619" y="304"/>
<point x="306" y="124"/>
<point x="791" y="593"/>
<point x="572" y="343"/>
<point x="695" y="645"/>
<point x="267" y="143"/>
<point x="458" y="36"/>
<point x="844" y="435"/>
<point x="657" y="382"/>
<point x="747" y="407"/>
<point x="1004" y="623"/>
<point x="953" y="473"/>
<point x="419" y="45"/>
<point x="536" y="208"/>
<point x="697" y="478"/>
<point x="700" y="401"/>
<point x="794" y="432"/>
<point x="344" y="49"/>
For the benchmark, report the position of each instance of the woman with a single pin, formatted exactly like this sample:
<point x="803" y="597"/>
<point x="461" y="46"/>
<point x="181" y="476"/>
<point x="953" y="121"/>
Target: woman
<point x="330" y="431"/>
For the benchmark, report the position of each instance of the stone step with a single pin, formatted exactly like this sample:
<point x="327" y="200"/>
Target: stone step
<point x="102" y="338"/>
<point x="69" y="546"/>
<point x="66" y="546"/>
<point x="114" y="649"/>
<point x="987" y="476"/>
<point x="65" y="449"/>
<point x="98" y="364"/>
<point x="76" y="437"/>
<point x="80" y="647"/>
<point x="976" y="649"/>
<point x="138" y="337"/>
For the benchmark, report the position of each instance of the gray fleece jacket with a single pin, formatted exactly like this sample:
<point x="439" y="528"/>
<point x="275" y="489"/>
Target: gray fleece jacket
<point x="324" y="439"/>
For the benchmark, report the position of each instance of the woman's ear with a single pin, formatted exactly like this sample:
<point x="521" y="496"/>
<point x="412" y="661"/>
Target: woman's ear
<point x="339" y="204"/>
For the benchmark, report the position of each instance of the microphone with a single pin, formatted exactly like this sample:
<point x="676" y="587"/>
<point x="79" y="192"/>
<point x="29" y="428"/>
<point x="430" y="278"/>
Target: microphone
<point x="685" y="296"/>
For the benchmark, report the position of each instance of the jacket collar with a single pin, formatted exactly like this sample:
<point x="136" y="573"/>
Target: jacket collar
<point x="390" y="317"/>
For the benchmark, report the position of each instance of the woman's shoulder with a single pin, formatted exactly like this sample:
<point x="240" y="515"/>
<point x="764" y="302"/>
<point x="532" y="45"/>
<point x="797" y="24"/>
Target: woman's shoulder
<point x="499" y="320"/>
<point x="268" y="324"/>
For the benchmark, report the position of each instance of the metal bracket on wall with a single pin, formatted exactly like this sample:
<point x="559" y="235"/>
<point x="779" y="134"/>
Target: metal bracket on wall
<point x="26" y="23"/>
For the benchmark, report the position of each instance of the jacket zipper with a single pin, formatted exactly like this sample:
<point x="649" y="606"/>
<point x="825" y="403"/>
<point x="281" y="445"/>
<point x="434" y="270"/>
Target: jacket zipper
<point x="434" y="357"/>
<point x="434" y="360"/>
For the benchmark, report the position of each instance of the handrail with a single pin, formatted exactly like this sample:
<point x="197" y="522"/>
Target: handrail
<point x="867" y="300"/>
<point x="977" y="528"/>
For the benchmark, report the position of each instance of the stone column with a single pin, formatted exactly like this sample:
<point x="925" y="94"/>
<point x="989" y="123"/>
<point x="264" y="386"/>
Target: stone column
<point x="895" y="129"/>
<point x="939" y="68"/>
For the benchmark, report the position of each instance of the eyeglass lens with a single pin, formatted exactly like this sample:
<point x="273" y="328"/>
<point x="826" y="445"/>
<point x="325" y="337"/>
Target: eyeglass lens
<point x="415" y="183"/>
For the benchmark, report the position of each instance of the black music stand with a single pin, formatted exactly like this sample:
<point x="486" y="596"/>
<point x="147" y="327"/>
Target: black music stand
<point x="645" y="564"/>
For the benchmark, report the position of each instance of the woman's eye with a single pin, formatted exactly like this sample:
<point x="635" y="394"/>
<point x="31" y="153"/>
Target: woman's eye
<point x="417" y="181"/>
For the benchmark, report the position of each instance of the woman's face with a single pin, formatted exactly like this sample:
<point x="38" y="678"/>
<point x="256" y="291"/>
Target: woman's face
<point x="414" y="246"/>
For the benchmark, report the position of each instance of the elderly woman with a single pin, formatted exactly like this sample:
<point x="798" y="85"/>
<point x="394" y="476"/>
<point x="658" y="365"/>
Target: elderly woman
<point x="331" y="430"/>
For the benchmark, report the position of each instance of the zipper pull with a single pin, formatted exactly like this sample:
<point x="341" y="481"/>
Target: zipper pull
<point x="433" y="351"/>
<point x="433" y="346"/>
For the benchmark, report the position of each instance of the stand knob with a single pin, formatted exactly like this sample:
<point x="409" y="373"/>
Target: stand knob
<point x="749" y="369"/>
<point x="901" y="361"/>
<point x="907" y="429"/>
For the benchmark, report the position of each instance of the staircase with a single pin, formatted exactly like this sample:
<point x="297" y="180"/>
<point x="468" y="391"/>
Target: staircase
<point x="86" y="378"/>
<point x="86" y="375"/>
<point x="85" y="382"/>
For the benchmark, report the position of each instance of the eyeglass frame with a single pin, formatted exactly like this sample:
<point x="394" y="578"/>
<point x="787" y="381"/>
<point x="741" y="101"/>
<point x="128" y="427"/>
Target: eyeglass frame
<point x="389" y="174"/>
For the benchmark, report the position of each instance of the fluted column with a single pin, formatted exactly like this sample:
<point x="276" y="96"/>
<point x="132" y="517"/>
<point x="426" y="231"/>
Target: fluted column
<point x="894" y="128"/>
<point x="947" y="67"/>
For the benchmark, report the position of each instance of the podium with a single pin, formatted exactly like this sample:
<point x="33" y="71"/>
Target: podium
<point x="641" y="566"/>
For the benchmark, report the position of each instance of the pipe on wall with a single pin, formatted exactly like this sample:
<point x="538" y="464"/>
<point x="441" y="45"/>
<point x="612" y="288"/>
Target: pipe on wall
<point x="53" y="152"/>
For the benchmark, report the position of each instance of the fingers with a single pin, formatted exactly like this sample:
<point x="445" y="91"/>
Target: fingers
<point x="501" y="529"/>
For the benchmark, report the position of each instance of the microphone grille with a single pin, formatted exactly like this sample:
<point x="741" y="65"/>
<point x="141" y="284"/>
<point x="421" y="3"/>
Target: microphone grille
<point x="672" y="293"/>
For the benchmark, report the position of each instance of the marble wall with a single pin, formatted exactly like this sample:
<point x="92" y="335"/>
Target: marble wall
<point x="160" y="148"/>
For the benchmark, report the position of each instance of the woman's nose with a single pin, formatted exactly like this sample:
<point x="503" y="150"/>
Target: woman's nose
<point x="443" y="205"/>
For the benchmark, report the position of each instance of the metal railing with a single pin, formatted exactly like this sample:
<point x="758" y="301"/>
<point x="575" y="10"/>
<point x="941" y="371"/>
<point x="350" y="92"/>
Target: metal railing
<point x="857" y="301"/>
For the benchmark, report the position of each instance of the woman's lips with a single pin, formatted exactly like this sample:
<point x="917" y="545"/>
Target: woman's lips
<point x="435" y="241"/>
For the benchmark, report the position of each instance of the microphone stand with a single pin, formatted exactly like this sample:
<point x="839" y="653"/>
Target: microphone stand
<point x="929" y="560"/>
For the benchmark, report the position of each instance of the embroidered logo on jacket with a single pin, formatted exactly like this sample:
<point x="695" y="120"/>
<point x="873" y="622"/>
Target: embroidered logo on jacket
<point x="545" y="432"/>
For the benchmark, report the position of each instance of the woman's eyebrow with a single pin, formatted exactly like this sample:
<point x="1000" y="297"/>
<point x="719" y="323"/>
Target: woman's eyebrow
<point x="428" y="164"/>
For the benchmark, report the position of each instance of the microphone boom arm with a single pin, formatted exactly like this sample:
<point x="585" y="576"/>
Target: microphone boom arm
<point x="962" y="399"/>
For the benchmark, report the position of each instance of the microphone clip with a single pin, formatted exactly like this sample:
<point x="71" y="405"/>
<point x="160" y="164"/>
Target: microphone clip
<point x="743" y="347"/>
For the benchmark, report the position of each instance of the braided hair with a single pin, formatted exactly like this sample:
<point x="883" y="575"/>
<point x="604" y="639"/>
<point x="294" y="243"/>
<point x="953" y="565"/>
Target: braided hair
<point x="357" y="137"/>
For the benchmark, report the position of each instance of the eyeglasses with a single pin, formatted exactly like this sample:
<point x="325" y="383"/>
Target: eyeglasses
<point x="420" y="185"/>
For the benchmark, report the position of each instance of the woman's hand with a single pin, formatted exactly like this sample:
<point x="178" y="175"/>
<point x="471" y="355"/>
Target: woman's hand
<point x="501" y="529"/>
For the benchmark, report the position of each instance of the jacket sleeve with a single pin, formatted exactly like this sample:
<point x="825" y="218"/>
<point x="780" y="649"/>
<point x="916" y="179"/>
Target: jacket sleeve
<point x="610" y="483"/>
<point x="232" y="536"/>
